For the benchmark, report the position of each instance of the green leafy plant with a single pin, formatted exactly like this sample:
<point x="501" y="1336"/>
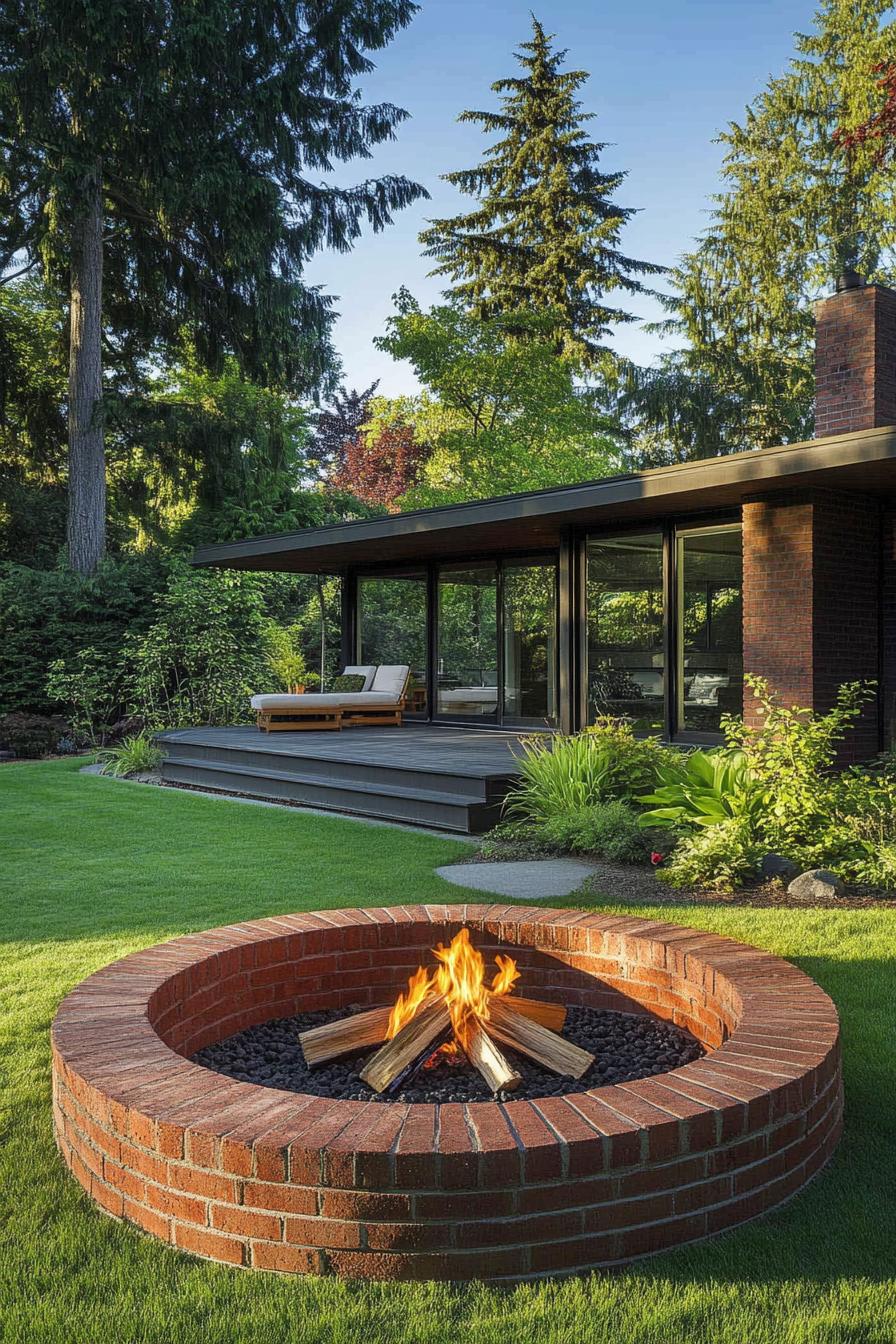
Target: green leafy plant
<point x="720" y="856"/>
<point x="562" y="775"/>
<point x="136" y="755"/>
<point x="609" y="829"/>
<point x="286" y="658"/>
<point x="790" y="756"/>
<point x="516" y="840"/>
<point x="704" y="789"/>
<point x="205" y="653"/>
<point x="88" y="688"/>
<point x="32" y="735"/>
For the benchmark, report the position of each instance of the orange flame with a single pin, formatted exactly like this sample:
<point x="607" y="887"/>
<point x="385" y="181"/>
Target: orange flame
<point x="460" y="977"/>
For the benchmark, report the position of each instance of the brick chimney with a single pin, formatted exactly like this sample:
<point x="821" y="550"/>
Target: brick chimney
<point x="855" y="358"/>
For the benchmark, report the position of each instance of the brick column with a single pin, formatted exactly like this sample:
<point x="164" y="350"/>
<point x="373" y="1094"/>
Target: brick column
<point x="811" y="601"/>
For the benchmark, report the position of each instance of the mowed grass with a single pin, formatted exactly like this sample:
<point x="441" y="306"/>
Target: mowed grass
<point x="91" y="869"/>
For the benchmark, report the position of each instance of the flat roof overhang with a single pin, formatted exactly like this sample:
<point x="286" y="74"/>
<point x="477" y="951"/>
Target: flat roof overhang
<point x="863" y="462"/>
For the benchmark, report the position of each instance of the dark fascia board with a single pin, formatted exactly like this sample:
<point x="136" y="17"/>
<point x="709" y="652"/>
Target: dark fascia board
<point x="762" y="470"/>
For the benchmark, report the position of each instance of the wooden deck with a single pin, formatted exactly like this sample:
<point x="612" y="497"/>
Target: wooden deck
<point x="451" y="778"/>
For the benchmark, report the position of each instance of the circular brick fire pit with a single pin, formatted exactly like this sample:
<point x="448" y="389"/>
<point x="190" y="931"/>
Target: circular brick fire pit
<point x="275" y="1180"/>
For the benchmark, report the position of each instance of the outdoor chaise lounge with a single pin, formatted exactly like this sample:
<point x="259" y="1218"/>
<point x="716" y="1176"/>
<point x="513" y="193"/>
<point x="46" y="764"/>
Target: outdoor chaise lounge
<point x="380" y="701"/>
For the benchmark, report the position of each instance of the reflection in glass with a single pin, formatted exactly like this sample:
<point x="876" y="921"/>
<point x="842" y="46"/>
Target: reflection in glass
<point x="529" y="620"/>
<point x="392" y="627"/>
<point x="467" y="679"/>
<point x="626" y="629"/>
<point x="711" y="665"/>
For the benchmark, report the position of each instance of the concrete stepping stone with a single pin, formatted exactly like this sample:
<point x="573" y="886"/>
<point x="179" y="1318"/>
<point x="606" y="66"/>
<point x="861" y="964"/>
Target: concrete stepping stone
<point x="531" y="880"/>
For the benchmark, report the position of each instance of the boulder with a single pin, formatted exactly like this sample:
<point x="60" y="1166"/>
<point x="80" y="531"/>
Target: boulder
<point x="775" y="868"/>
<point x="816" y="884"/>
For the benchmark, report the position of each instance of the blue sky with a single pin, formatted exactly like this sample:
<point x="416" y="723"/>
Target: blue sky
<point x="666" y="75"/>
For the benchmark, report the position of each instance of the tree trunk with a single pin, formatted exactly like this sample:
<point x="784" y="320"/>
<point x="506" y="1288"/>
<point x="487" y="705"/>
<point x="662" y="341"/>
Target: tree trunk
<point x="86" y="453"/>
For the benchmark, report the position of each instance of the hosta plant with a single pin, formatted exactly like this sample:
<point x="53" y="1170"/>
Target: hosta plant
<point x="703" y="789"/>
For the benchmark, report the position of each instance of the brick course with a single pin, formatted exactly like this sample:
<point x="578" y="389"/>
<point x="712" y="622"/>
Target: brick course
<point x="259" y="1178"/>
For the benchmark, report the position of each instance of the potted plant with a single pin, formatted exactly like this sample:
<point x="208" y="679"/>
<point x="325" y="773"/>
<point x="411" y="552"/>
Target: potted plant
<point x="287" y="661"/>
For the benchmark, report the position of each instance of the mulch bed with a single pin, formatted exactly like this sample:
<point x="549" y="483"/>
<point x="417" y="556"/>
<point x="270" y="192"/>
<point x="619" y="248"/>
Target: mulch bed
<point x="626" y="1045"/>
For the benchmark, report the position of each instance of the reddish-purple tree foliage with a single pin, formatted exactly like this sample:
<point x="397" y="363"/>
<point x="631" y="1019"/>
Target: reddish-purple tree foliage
<point x="881" y="125"/>
<point x="381" y="465"/>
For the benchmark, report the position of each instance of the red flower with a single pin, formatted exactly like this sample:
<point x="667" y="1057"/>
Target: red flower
<point x="656" y="858"/>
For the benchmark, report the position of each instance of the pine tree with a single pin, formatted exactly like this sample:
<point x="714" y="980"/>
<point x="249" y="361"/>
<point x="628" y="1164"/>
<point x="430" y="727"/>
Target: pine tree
<point x="545" y="233"/>
<point x="157" y="164"/>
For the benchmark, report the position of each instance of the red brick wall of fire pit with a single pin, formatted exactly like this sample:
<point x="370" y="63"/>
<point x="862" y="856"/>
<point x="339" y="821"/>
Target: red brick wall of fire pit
<point x="282" y="1181"/>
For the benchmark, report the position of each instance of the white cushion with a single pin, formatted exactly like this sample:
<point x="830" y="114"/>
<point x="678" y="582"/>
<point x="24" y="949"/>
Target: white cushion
<point x="391" y="678"/>
<point x="367" y="672"/>
<point x="285" y="703"/>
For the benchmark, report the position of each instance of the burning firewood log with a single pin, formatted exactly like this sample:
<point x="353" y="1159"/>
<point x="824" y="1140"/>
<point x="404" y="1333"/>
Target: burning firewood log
<point x="495" y="1068"/>
<point x="421" y="1036"/>
<point x="536" y="1041"/>
<point x="357" y="1032"/>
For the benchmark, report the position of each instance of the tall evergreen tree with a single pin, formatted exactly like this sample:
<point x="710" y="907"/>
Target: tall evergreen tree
<point x="545" y="233"/>
<point x="800" y="203"/>
<point x="156" y="164"/>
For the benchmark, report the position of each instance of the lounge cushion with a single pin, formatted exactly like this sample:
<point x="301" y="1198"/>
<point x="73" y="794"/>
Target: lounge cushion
<point x="285" y="703"/>
<point x="391" y="678"/>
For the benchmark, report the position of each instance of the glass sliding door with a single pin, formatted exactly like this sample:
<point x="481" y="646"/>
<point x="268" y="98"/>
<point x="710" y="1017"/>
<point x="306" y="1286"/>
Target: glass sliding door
<point x="709" y="583"/>
<point x="392" y="627"/>
<point x="529" y="642"/>
<point x="626" y="630"/>
<point x="467" y="627"/>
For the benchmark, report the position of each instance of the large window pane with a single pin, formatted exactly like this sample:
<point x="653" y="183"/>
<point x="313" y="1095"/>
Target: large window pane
<point x="530" y="620"/>
<point x="392" y="627"/>
<point x="467" y="673"/>
<point x="710" y="632"/>
<point x="626" y="629"/>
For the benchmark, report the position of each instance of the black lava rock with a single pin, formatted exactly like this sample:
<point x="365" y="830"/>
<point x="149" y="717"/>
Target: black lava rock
<point x="625" y="1046"/>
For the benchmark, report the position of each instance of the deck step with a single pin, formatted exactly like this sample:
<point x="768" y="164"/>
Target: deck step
<point x="386" y="800"/>
<point x="347" y="771"/>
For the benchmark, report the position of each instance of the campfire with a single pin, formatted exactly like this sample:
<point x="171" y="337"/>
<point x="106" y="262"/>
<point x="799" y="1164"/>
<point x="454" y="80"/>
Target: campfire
<point x="447" y="1013"/>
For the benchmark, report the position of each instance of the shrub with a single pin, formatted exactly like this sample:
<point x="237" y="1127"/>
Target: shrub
<point x="633" y="763"/>
<point x="516" y="839"/>
<point x="562" y="775"/>
<point x="204" y="654"/>
<point x="721" y="856"/>
<point x="610" y="829"/>
<point x="703" y="789"/>
<point x="791" y="756"/>
<point x="47" y="615"/>
<point x="32" y="735"/>
<point x="87" y="688"/>
<point x="861" y="833"/>
<point x="136" y="755"/>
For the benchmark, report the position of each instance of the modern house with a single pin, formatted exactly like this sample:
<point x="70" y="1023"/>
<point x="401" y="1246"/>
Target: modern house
<point x="646" y="595"/>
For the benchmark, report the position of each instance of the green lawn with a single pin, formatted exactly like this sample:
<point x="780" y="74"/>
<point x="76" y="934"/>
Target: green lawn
<point x="91" y="869"/>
